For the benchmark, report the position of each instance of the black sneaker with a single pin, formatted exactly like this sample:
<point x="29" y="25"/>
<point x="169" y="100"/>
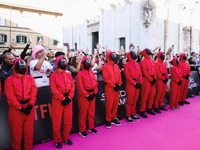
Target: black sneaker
<point x="68" y="142"/>
<point x="163" y="108"/>
<point x="94" y="131"/>
<point x="83" y="134"/>
<point x="59" y="145"/>
<point x="157" y="110"/>
<point x="149" y="111"/>
<point x="116" y="122"/>
<point x="134" y="117"/>
<point x="180" y="103"/>
<point x="129" y="120"/>
<point x="142" y="114"/>
<point x="108" y="124"/>
<point x="186" y="102"/>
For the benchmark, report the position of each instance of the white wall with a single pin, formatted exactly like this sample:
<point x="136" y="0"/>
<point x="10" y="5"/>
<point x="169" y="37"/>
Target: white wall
<point x="125" y="21"/>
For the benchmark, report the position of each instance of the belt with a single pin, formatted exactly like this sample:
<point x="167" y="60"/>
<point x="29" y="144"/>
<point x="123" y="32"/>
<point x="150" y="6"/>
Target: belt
<point x="164" y="74"/>
<point x="136" y="79"/>
<point x="66" y="94"/>
<point x="90" y="90"/>
<point x="40" y="77"/>
<point x="24" y="101"/>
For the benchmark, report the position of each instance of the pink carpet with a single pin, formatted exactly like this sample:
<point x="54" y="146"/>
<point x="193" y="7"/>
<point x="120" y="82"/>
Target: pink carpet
<point x="170" y="130"/>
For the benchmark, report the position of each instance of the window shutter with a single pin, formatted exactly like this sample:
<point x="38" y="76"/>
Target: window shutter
<point x="55" y="42"/>
<point x="25" y="39"/>
<point x="5" y="38"/>
<point x="17" y="37"/>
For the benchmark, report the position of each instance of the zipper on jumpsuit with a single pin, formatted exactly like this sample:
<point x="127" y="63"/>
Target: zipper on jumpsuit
<point x="90" y="79"/>
<point x="22" y="89"/>
<point x="64" y="82"/>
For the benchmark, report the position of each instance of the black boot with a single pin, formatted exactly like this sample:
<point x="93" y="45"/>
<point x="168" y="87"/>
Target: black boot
<point x="149" y="111"/>
<point x="186" y="102"/>
<point x="180" y="103"/>
<point x="157" y="110"/>
<point x="142" y="114"/>
<point x="163" y="108"/>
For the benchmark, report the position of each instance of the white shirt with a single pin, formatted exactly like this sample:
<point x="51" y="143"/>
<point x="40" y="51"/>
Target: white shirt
<point x="43" y="79"/>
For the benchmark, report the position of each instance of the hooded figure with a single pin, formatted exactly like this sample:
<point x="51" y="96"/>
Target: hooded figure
<point x="133" y="76"/>
<point x="112" y="78"/>
<point x="21" y="91"/>
<point x="175" y="84"/>
<point x="87" y="90"/>
<point x="148" y="86"/>
<point x="161" y="83"/>
<point x="185" y="70"/>
<point x="62" y="87"/>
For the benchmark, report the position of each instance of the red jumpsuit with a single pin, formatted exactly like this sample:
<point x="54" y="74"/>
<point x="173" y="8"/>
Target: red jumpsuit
<point x="60" y="83"/>
<point x="174" y="87"/>
<point x="149" y="73"/>
<point x="20" y="92"/>
<point x="185" y="70"/>
<point x="133" y="75"/>
<point x="111" y="76"/>
<point x="161" y="87"/>
<point x="87" y="85"/>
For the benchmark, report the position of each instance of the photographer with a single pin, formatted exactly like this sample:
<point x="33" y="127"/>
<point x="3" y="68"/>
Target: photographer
<point x="40" y="69"/>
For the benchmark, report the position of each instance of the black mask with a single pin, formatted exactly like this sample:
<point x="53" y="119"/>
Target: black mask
<point x="162" y="56"/>
<point x="184" y="57"/>
<point x="177" y="61"/>
<point x="86" y="64"/>
<point x="20" y="67"/>
<point x="112" y="56"/>
<point x="62" y="64"/>
<point x="148" y="51"/>
<point x="133" y="55"/>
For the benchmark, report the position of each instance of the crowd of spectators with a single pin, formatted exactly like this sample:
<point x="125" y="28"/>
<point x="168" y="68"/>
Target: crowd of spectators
<point x="41" y="61"/>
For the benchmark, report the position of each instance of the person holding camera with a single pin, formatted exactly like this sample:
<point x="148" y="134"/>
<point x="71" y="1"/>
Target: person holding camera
<point x="21" y="92"/>
<point x="148" y="86"/>
<point x="175" y="84"/>
<point x="62" y="87"/>
<point x="40" y="69"/>
<point x="133" y="76"/>
<point x="113" y="82"/>
<point x="87" y="90"/>
<point x="161" y="83"/>
<point x="185" y="70"/>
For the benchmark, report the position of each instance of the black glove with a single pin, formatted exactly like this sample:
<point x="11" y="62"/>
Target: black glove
<point x="180" y="82"/>
<point x="23" y="110"/>
<point x="28" y="109"/>
<point x="165" y="81"/>
<point x="187" y="76"/>
<point x="137" y="85"/>
<point x="91" y="97"/>
<point x="117" y="87"/>
<point x="153" y="82"/>
<point x="66" y="101"/>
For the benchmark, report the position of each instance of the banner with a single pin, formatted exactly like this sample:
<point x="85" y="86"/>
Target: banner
<point x="43" y="125"/>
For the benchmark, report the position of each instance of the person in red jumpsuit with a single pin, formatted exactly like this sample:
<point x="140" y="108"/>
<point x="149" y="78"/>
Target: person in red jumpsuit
<point x="87" y="90"/>
<point x="21" y="91"/>
<point x="175" y="84"/>
<point x="161" y="83"/>
<point x="185" y="70"/>
<point x="62" y="87"/>
<point x="148" y="86"/>
<point x="133" y="76"/>
<point x="112" y="78"/>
